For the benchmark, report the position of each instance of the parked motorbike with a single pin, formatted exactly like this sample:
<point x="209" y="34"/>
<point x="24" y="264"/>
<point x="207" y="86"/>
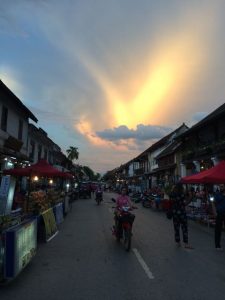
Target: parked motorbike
<point x="136" y="197"/>
<point x="151" y="201"/>
<point x="98" y="197"/>
<point x="147" y="201"/>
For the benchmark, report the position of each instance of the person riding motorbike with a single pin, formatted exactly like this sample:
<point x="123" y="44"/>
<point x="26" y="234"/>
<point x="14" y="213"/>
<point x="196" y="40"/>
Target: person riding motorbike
<point x="98" y="193"/>
<point x="122" y="200"/>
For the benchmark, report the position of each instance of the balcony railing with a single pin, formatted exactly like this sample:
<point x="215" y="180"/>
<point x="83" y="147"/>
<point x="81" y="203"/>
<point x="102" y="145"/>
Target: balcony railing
<point x="206" y="150"/>
<point x="139" y="171"/>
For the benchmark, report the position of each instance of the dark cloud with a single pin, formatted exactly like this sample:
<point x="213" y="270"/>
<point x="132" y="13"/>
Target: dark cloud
<point x="52" y="116"/>
<point x="141" y="133"/>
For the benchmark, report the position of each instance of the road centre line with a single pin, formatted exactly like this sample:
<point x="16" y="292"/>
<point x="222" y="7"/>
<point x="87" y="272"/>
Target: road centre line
<point x="143" y="264"/>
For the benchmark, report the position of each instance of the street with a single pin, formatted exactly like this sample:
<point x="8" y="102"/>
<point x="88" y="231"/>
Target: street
<point x="84" y="261"/>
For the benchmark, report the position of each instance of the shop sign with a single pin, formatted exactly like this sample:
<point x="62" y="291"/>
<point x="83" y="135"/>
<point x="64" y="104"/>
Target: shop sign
<point x="58" y="211"/>
<point x="21" y="245"/>
<point x="7" y="190"/>
<point x="50" y="224"/>
<point x="2" y="251"/>
<point x="66" y="204"/>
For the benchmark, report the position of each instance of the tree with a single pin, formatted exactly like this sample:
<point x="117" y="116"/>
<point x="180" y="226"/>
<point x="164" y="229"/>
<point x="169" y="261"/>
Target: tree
<point x="97" y="176"/>
<point x="89" y="172"/>
<point x="72" y="153"/>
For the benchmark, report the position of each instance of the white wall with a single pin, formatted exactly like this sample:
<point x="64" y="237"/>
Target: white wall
<point x="131" y="170"/>
<point x="13" y="127"/>
<point x="152" y="156"/>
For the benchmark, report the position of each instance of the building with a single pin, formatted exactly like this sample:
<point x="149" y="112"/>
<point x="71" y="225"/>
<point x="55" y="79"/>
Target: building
<point x="203" y="145"/>
<point x="40" y="146"/>
<point x="14" y="124"/>
<point x="158" y="164"/>
<point x="151" y="169"/>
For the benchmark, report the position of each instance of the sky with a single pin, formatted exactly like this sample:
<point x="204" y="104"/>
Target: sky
<point x="111" y="77"/>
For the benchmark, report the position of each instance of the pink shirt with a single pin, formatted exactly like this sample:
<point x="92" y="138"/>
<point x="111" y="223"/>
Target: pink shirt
<point x="123" y="201"/>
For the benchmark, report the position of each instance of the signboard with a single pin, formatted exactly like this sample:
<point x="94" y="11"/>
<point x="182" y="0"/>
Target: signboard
<point x="58" y="211"/>
<point x="66" y="204"/>
<point x="20" y="247"/>
<point x="50" y="224"/>
<point x="2" y="251"/>
<point x="7" y="190"/>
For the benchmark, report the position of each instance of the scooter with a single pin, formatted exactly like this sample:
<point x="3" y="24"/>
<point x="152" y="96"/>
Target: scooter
<point x="123" y="225"/>
<point x="123" y="228"/>
<point x="98" y="197"/>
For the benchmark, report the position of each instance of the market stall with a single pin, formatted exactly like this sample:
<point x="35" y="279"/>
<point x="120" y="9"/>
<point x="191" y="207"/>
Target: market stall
<point x="38" y="216"/>
<point x="15" y="234"/>
<point x="200" y="208"/>
<point x="214" y="175"/>
<point x="41" y="199"/>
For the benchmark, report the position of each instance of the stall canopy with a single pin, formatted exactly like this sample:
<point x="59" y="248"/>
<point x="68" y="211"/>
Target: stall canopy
<point x="41" y="168"/>
<point x="214" y="175"/>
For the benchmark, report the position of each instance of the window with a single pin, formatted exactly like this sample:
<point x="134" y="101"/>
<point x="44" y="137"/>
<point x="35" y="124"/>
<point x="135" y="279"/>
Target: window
<point x="32" y="149"/>
<point x="20" y="131"/>
<point x="39" y="151"/>
<point x="4" y="118"/>
<point x="46" y="154"/>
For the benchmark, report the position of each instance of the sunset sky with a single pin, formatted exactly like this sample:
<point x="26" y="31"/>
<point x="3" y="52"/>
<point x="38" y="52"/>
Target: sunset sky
<point x="112" y="76"/>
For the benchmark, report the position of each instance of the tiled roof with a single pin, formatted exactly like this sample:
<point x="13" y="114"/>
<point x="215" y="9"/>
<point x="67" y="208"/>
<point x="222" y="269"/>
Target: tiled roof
<point x="213" y="116"/>
<point x="17" y="101"/>
<point x="161" y="142"/>
<point x="169" y="150"/>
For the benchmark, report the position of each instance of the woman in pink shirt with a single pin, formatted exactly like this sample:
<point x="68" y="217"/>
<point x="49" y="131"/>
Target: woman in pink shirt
<point x="123" y="199"/>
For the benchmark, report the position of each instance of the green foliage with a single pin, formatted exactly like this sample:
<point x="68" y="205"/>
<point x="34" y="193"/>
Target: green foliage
<point x="168" y="189"/>
<point x="89" y="172"/>
<point x="72" y="153"/>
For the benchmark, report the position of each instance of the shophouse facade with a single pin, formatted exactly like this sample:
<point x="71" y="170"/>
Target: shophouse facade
<point x="14" y="124"/>
<point x="149" y="169"/>
<point x="40" y="146"/>
<point x="203" y="145"/>
<point x="155" y="170"/>
<point x="169" y="161"/>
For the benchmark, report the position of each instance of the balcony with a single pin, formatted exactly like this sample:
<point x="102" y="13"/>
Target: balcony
<point x="139" y="171"/>
<point x="191" y="154"/>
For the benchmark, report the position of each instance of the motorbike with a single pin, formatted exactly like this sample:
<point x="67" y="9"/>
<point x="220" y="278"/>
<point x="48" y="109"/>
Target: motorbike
<point x="98" y="197"/>
<point x="136" y="197"/>
<point x="123" y="228"/>
<point x="151" y="201"/>
<point x="147" y="201"/>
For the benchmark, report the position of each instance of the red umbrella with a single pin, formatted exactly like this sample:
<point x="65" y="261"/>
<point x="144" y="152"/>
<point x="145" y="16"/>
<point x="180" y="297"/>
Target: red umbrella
<point x="41" y="168"/>
<point x="214" y="175"/>
<point x="66" y="175"/>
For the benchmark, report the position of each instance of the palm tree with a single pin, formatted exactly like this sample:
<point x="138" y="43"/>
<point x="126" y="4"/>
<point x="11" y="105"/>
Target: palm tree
<point x="72" y="153"/>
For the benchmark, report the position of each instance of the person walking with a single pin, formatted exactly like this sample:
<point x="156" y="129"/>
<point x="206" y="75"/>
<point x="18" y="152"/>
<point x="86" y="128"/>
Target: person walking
<point x="219" y="210"/>
<point x="179" y="202"/>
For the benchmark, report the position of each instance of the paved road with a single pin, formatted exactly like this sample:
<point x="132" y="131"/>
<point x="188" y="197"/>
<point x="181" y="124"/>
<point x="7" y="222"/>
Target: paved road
<point x="84" y="262"/>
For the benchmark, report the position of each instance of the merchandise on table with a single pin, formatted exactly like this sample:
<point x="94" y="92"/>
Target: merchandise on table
<point x="38" y="202"/>
<point x="54" y="197"/>
<point x="201" y="211"/>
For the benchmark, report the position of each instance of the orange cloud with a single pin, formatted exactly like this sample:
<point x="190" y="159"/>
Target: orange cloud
<point x="169" y="71"/>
